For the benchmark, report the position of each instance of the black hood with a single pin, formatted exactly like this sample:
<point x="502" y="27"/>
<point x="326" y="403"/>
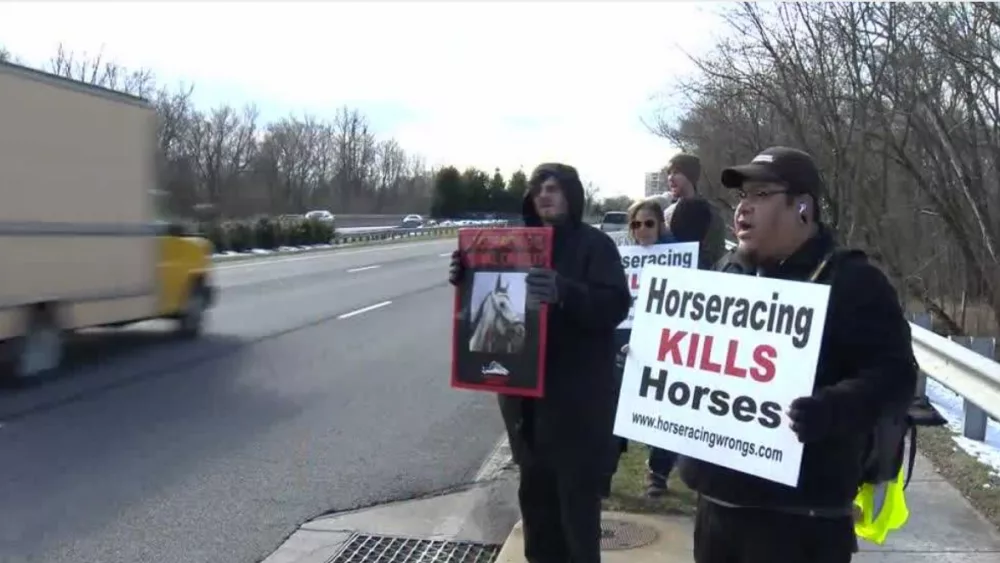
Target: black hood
<point x="569" y="180"/>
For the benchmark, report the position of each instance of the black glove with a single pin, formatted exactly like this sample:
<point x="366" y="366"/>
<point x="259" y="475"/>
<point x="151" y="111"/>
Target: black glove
<point x="456" y="272"/>
<point x="542" y="287"/>
<point x="811" y="418"/>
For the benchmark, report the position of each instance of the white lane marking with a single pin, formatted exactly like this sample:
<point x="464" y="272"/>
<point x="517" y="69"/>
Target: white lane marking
<point x="330" y="253"/>
<point x="363" y="268"/>
<point x="494" y="463"/>
<point x="364" y="310"/>
<point x="445" y="255"/>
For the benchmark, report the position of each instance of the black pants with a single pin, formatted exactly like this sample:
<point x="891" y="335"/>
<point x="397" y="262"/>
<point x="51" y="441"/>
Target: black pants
<point x="560" y="514"/>
<point x="660" y="463"/>
<point x="749" y="535"/>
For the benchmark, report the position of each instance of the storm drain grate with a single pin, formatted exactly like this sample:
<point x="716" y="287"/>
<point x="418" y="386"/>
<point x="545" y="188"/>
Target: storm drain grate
<point x="363" y="548"/>
<point x="620" y="534"/>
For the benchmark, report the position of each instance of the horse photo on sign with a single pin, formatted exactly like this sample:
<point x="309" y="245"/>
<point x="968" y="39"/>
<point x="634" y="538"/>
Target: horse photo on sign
<point x="498" y="319"/>
<point x="498" y="342"/>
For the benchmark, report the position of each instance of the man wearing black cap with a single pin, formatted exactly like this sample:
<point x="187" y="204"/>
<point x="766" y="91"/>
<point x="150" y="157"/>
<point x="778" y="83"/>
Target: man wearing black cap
<point x="865" y="366"/>
<point x="564" y="443"/>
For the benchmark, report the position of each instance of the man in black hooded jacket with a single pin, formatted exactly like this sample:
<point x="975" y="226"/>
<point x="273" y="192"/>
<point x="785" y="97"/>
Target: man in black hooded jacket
<point x="554" y="439"/>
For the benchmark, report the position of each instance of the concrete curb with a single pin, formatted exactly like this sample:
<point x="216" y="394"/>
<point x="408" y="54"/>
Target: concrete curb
<point x="481" y="512"/>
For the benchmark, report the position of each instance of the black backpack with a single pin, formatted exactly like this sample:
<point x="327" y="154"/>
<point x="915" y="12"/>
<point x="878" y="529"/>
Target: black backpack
<point x="886" y="445"/>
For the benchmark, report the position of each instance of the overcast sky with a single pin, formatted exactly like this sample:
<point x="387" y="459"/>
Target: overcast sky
<point x="484" y="84"/>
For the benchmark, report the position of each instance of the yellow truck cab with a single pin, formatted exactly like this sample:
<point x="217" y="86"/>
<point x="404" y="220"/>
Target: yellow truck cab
<point x="184" y="276"/>
<point x="80" y="243"/>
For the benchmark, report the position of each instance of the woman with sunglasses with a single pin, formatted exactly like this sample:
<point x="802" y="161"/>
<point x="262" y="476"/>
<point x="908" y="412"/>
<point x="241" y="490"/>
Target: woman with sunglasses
<point x="645" y="224"/>
<point x="646" y="227"/>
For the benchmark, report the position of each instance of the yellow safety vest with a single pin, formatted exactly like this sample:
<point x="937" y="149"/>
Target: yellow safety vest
<point x="880" y="509"/>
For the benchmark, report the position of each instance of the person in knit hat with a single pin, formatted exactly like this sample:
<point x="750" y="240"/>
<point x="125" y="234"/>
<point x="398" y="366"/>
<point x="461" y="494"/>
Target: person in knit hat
<point x="683" y="172"/>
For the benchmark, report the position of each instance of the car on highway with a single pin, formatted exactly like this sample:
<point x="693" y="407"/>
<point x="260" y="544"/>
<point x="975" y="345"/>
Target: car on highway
<point x="322" y="216"/>
<point x="614" y="221"/>
<point x="412" y="221"/>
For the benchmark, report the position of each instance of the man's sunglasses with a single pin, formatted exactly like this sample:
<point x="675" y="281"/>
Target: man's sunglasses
<point x="648" y="223"/>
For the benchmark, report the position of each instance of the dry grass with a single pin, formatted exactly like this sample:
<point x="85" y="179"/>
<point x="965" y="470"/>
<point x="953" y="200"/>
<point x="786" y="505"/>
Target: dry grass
<point x="629" y="486"/>
<point x="977" y="482"/>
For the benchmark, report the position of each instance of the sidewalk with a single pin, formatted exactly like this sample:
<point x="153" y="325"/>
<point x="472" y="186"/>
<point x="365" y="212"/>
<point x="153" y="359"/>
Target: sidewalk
<point x="943" y="528"/>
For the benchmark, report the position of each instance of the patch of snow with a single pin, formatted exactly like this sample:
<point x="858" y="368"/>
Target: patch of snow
<point x="950" y="405"/>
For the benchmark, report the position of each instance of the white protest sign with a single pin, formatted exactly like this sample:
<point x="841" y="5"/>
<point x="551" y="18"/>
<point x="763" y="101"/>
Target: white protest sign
<point x="715" y="360"/>
<point x="620" y="237"/>
<point x="635" y="258"/>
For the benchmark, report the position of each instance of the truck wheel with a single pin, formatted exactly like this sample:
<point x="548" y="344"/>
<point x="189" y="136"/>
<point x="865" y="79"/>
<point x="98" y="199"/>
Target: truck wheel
<point x="192" y="319"/>
<point x="41" y="349"/>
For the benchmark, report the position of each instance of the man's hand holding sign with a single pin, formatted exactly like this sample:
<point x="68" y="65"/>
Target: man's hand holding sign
<point x="714" y="365"/>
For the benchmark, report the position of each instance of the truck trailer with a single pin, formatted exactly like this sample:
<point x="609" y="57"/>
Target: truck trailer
<point x="81" y="245"/>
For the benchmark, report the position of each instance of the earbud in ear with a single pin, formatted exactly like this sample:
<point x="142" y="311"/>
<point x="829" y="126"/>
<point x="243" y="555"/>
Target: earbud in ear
<point x="802" y="208"/>
<point x="802" y="213"/>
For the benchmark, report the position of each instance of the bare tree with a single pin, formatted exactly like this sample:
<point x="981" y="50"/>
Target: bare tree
<point x="590" y="192"/>
<point x="900" y="105"/>
<point x="106" y="74"/>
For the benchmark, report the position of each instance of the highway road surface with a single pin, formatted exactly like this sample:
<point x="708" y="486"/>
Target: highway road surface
<point x="321" y="384"/>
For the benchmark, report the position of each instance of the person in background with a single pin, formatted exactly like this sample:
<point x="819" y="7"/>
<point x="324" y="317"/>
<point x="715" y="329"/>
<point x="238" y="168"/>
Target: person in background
<point x="690" y="220"/>
<point x="646" y="227"/>
<point x="683" y="172"/>
<point x="865" y="365"/>
<point x="554" y="439"/>
<point x="664" y="200"/>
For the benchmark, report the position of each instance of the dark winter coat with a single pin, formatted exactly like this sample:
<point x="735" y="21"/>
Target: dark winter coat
<point x="695" y="220"/>
<point x="571" y="427"/>
<point x="865" y="364"/>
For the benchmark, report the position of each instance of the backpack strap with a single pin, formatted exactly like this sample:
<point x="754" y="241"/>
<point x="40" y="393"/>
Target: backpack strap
<point x="821" y="267"/>
<point x="831" y="259"/>
<point x="911" y="456"/>
<point x="921" y="413"/>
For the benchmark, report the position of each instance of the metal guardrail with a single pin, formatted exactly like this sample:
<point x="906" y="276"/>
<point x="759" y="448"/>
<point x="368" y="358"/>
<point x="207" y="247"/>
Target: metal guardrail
<point x="964" y="365"/>
<point x="392" y="233"/>
<point x="366" y="235"/>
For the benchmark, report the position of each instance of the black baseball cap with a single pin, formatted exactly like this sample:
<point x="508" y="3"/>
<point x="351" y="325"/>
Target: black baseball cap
<point x="785" y="165"/>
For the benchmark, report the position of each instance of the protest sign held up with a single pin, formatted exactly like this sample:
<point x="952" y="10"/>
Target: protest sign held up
<point x="636" y="257"/>
<point x="498" y="343"/>
<point x="714" y="362"/>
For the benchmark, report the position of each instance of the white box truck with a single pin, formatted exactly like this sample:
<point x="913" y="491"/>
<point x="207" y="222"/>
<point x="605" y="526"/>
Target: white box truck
<point x="80" y="244"/>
